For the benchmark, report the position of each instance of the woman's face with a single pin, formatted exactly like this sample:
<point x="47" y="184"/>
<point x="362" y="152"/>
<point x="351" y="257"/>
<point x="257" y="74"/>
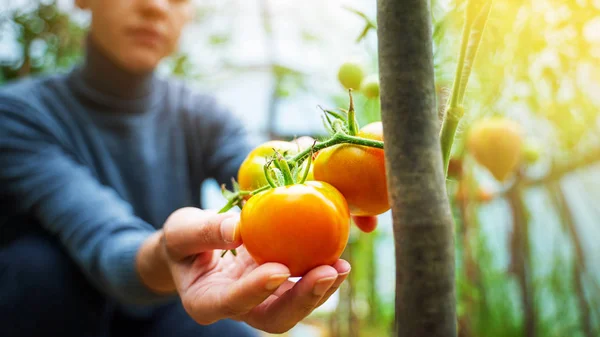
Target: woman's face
<point x="137" y="34"/>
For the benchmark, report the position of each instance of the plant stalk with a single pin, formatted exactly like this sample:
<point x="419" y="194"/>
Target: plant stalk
<point x="422" y="221"/>
<point x="468" y="50"/>
<point x="453" y="116"/>
<point x="352" y="126"/>
<point x="338" y="138"/>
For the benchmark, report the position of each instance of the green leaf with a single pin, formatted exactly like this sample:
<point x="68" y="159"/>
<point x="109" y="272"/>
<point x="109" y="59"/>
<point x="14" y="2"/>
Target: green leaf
<point x="369" y="24"/>
<point x="236" y="186"/>
<point x="227" y="194"/>
<point x="326" y="125"/>
<point x="279" y="176"/>
<point x="364" y="33"/>
<point x="296" y="171"/>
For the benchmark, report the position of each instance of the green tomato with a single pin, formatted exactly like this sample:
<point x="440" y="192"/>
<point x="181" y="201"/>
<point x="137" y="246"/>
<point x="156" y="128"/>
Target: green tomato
<point x="351" y="75"/>
<point x="370" y="86"/>
<point x="531" y="153"/>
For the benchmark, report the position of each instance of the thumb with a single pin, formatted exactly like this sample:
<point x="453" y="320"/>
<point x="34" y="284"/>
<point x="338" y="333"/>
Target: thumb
<point x="190" y="231"/>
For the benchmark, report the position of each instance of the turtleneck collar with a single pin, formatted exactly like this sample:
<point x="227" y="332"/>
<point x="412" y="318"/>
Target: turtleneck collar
<point x="106" y="83"/>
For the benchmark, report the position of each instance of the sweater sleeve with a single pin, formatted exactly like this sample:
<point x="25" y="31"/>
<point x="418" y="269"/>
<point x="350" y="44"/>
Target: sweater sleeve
<point x="226" y="141"/>
<point x="97" y="227"/>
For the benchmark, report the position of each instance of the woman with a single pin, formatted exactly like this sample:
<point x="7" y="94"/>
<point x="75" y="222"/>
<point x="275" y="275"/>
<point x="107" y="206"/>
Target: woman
<point x="100" y="173"/>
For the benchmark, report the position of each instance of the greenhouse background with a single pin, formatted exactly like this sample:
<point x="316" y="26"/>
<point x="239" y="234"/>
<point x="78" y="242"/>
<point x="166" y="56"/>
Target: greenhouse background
<point x="527" y="260"/>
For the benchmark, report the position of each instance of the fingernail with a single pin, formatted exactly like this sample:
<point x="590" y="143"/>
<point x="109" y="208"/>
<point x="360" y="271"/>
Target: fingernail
<point x="323" y="285"/>
<point x="276" y="280"/>
<point x="228" y="228"/>
<point x="345" y="273"/>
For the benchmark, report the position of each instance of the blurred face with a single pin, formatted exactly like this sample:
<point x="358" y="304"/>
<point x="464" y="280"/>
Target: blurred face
<point x="137" y="34"/>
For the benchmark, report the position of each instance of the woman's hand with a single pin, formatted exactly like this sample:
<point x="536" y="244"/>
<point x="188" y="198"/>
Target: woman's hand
<point x="213" y="288"/>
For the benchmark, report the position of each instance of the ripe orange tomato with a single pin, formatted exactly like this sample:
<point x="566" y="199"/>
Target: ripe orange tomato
<point x="301" y="226"/>
<point x="358" y="172"/>
<point x="251" y="173"/>
<point x="496" y="143"/>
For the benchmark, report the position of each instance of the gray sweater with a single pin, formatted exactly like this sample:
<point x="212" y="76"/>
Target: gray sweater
<point x="99" y="158"/>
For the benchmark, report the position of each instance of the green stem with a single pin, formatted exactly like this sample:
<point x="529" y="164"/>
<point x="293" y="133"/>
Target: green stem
<point x="285" y="170"/>
<point x="451" y="121"/>
<point x="453" y="116"/>
<point x="461" y="62"/>
<point x="352" y="127"/>
<point x="476" y="34"/>
<point x="237" y="197"/>
<point x="338" y="138"/>
<point x="454" y="111"/>
<point x="361" y="141"/>
<point x="305" y="175"/>
<point x="268" y="176"/>
<point x="256" y="191"/>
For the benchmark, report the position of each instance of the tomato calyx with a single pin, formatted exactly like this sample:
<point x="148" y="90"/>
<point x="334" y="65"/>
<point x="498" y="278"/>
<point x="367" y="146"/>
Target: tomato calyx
<point x="285" y="175"/>
<point x="344" y="122"/>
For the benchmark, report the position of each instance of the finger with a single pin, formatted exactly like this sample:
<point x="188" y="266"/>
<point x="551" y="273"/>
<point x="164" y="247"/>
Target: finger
<point x="281" y="314"/>
<point x="343" y="268"/>
<point x="287" y="285"/>
<point x="189" y="231"/>
<point x="366" y="224"/>
<point x="253" y="289"/>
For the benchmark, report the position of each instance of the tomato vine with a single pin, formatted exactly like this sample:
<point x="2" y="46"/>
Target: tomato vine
<point x="342" y="127"/>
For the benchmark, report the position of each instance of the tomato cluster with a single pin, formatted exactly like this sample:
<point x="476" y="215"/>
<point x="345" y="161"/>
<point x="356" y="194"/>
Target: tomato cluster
<point x="303" y="220"/>
<point x="304" y="200"/>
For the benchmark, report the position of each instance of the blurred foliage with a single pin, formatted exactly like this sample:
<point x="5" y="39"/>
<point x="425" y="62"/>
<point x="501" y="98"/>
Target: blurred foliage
<point x="537" y="65"/>
<point x="48" y="40"/>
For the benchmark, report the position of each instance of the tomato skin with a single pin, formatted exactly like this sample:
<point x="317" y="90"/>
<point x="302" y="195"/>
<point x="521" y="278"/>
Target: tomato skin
<point x="350" y="75"/>
<point x="251" y="173"/>
<point x="358" y="172"/>
<point x="370" y="86"/>
<point x="366" y="224"/>
<point x="301" y="226"/>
